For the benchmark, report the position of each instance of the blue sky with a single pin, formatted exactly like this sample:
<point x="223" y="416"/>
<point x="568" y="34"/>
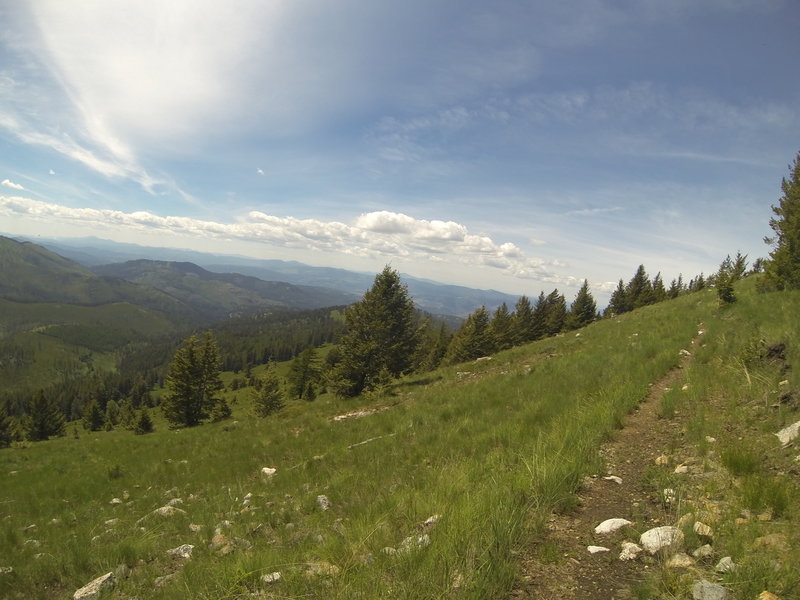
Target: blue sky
<point x="512" y="145"/>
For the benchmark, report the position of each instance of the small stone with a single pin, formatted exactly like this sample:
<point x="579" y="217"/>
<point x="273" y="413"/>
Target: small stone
<point x="611" y="525"/>
<point x="323" y="569"/>
<point x="725" y="565"/>
<point x="195" y="528"/>
<point x="765" y="595"/>
<point x="93" y="589"/>
<point x="705" y="590"/>
<point x="389" y="551"/>
<point x="6" y="570"/>
<point x="630" y="551"/>
<point x="685" y="387"/>
<point x="681" y="469"/>
<point x="111" y="522"/>
<point x="660" y="538"/>
<point x="765" y="516"/>
<point x="268" y="471"/>
<point x="662" y="460"/>
<point x="680" y="561"/>
<point x="776" y="541"/>
<point x="323" y="502"/>
<point x="430" y="521"/>
<point x="669" y="495"/>
<point x="414" y="542"/>
<point x="115" y="501"/>
<point x="597" y="549"/>
<point x="162" y="581"/>
<point x="788" y="434"/>
<point x="183" y="551"/>
<point x="710" y="439"/>
<point x="271" y="577"/>
<point x="703" y="530"/>
<point x="168" y="511"/>
<point x="614" y="478"/>
<point x="175" y="502"/>
<point x="704" y="551"/>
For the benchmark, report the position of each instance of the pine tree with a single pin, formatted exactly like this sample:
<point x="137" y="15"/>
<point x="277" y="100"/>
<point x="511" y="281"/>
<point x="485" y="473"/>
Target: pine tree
<point x="675" y="288"/>
<point x="619" y="302"/>
<point x="303" y="372"/>
<point x="502" y="328"/>
<point x="268" y="399"/>
<point x="193" y="382"/>
<point x="523" y="321"/>
<point x="92" y="416"/>
<point x="538" y="326"/>
<point x="144" y="424"/>
<point x="639" y="291"/>
<point x="782" y="271"/>
<point x="5" y="428"/>
<point x="44" y="419"/>
<point x="659" y="291"/>
<point x="583" y="310"/>
<point x="380" y="336"/>
<point x="472" y="340"/>
<point x="555" y="313"/>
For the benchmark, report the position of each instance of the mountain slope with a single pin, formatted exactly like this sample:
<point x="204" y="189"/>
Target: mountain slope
<point x="221" y="293"/>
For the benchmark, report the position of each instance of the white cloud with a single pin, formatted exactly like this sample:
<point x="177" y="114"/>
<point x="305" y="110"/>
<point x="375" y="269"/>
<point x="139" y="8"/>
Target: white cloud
<point x="52" y="172"/>
<point x="260" y="171"/>
<point x="376" y="235"/>
<point x="11" y="184"/>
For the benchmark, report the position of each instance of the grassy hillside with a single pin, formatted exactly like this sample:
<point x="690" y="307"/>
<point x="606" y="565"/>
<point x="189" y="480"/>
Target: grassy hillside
<point x="429" y="490"/>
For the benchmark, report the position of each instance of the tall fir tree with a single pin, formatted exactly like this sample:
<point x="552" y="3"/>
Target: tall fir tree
<point x="44" y="419"/>
<point x="472" y="340"/>
<point x="5" y="428"/>
<point x="619" y="303"/>
<point x="303" y="373"/>
<point x="583" y="310"/>
<point x="523" y="321"/>
<point x="92" y="416"/>
<point x="144" y="423"/>
<point x="538" y="327"/>
<point x="639" y="291"/>
<point x="676" y="287"/>
<point x="659" y="291"/>
<point x="501" y="328"/>
<point x="193" y="382"/>
<point x="268" y="397"/>
<point x="782" y="271"/>
<point x="556" y="313"/>
<point x="380" y="337"/>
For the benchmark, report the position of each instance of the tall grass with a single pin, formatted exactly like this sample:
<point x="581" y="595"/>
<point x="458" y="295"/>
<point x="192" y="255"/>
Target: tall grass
<point x="492" y="447"/>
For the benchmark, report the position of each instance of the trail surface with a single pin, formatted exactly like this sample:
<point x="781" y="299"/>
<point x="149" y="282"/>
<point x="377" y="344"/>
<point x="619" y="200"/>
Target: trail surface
<point x="558" y="565"/>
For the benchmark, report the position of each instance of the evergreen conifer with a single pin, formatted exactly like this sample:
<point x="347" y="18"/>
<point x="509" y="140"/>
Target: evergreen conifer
<point x="268" y="399"/>
<point x="782" y="271"/>
<point x="44" y="419"/>
<point x="583" y="310"/>
<point x="193" y="382"/>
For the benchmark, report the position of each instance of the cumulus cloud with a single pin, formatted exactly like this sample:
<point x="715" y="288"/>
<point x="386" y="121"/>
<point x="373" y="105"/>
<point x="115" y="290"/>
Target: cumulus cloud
<point x="380" y="234"/>
<point x="11" y="184"/>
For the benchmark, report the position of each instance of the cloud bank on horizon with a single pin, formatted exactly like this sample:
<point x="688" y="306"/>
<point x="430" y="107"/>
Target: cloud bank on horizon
<point x="510" y="145"/>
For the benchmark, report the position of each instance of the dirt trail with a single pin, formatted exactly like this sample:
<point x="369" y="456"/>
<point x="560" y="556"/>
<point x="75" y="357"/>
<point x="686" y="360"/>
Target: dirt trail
<point x="559" y="565"/>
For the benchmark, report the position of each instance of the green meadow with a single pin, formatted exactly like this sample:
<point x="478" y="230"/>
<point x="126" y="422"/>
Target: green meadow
<point x="430" y="489"/>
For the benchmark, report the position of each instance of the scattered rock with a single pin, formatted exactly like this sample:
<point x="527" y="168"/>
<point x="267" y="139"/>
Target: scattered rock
<point x="613" y="478"/>
<point x="765" y="595"/>
<point x="725" y="565"/>
<point x="221" y="543"/>
<point x="93" y="589"/>
<point x="195" y="528"/>
<point x="703" y="530"/>
<point x="123" y="571"/>
<point x="704" y="551"/>
<point x="710" y="439"/>
<point x="684" y="352"/>
<point x="662" y="460"/>
<point x="430" y="522"/>
<point x="788" y="434"/>
<point x="6" y="570"/>
<point x="268" y="471"/>
<point x="661" y="538"/>
<point x="175" y="502"/>
<point x="681" y="469"/>
<point x="630" y="551"/>
<point x="111" y="522"/>
<point x="611" y="525"/>
<point x="414" y="543"/>
<point x="680" y="561"/>
<point x="323" y="502"/>
<point x="389" y="551"/>
<point x="323" y="569"/>
<point x="271" y="577"/>
<point x="162" y="581"/>
<point x="776" y="541"/>
<point x="597" y="549"/>
<point x="115" y="501"/>
<point x="184" y="551"/>
<point x="705" y="590"/>
<point x="669" y="495"/>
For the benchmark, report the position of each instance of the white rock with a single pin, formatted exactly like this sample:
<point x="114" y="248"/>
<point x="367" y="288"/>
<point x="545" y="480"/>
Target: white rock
<point x="681" y="469"/>
<point x="703" y="530"/>
<point x="168" y="511"/>
<point x="323" y="502"/>
<point x="175" y="502"/>
<point x="789" y="434"/>
<point x="669" y="495"/>
<point x="703" y="551"/>
<point x="183" y="551"/>
<point x="93" y="589"/>
<point x="115" y="501"/>
<point x="611" y="525"/>
<point x="613" y="478"/>
<point x="705" y="590"/>
<point x="271" y="577"/>
<point x="6" y="570"/>
<point x="430" y="521"/>
<point x="414" y="542"/>
<point x="268" y="471"/>
<point x="629" y="551"/>
<point x="597" y="549"/>
<point x="679" y="561"/>
<point x="660" y="538"/>
<point x="725" y="565"/>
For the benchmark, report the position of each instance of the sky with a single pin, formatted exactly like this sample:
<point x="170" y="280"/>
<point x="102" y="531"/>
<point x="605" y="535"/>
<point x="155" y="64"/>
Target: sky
<point x="515" y="145"/>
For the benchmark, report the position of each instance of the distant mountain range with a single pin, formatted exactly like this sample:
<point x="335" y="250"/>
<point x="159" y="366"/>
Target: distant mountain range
<point x="430" y="296"/>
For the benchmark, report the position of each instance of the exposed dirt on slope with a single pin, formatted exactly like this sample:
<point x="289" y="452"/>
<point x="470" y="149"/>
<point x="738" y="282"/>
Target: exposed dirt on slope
<point x="559" y="565"/>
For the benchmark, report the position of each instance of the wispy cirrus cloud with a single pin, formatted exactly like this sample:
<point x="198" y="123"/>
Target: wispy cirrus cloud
<point x="10" y="184"/>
